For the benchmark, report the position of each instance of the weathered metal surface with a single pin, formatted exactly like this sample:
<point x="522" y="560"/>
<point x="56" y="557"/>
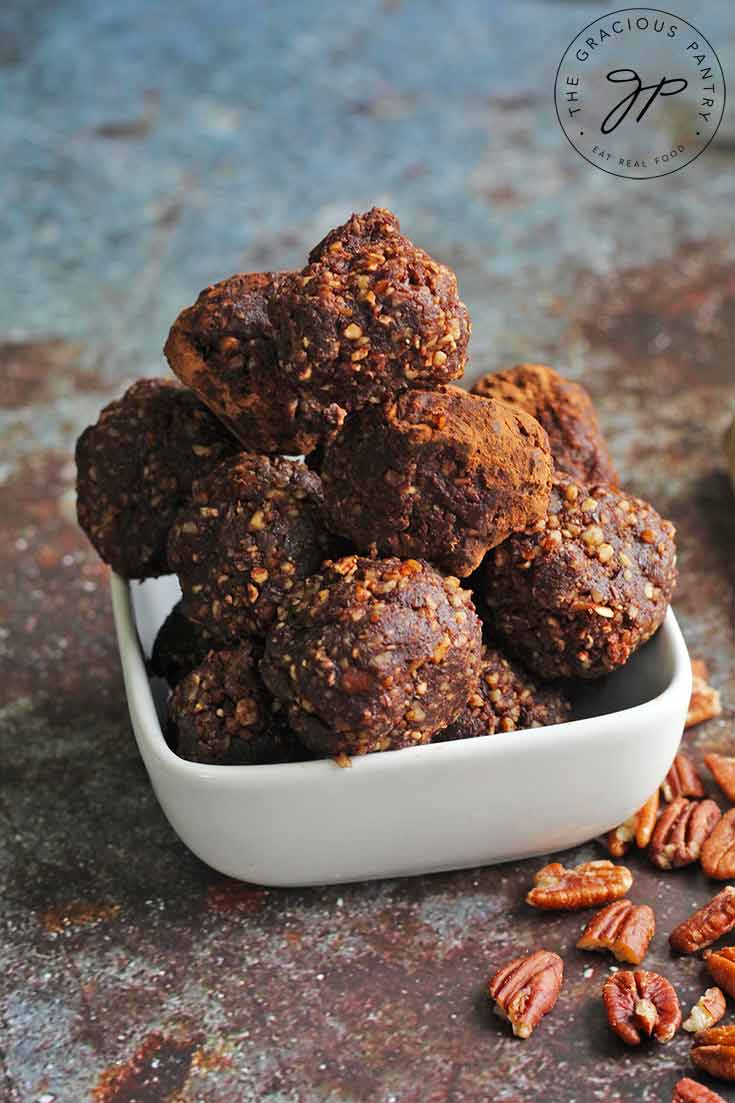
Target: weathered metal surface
<point x="152" y="151"/>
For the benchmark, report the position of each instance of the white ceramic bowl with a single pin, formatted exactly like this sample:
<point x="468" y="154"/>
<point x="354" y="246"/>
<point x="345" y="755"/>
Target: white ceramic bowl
<point x="424" y="809"/>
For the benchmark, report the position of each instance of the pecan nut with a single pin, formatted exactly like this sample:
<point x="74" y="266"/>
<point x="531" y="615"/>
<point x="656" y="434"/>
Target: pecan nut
<point x="592" y="883"/>
<point x="641" y="1004"/>
<point x="682" y="831"/>
<point x="707" y="1011"/>
<point x="689" y="1091"/>
<point x="713" y="1051"/>
<point x="622" y="927"/>
<point x="704" y="703"/>
<point x="718" y="853"/>
<point x="638" y="827"/>
<point x="722" y="768"/>
<point x="721" y="967"/>
<point x="682" y="780"/>
<point x="706" y="925"/>
<point x="526" y="989"/>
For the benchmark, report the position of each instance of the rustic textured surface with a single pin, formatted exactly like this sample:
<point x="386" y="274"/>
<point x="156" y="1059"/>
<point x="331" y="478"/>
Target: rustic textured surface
<point x="150" y="156"/>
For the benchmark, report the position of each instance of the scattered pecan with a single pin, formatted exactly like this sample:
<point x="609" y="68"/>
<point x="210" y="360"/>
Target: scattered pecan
<point x="559" y="889"/>
<point x="707" y="1011"/>
<point x="526" y="989"/>
<point x="705" y="700"/>
<point x="682" y="780"/>
<point x="638" y="827"/>
<point x="722" y="768"/>
<point x="622" y="927"/>
<point x="646" y="821"/>
<point x="706" y="925"/>
<point x="641" y="1003"/>
<point x="713" y="1051"/>
<point x="689" y="1091"/>
<point x="681" y="832"/>
<point x="718" y="853"/>
<point x="721" y="966"/>
<point x="618" y="840"/>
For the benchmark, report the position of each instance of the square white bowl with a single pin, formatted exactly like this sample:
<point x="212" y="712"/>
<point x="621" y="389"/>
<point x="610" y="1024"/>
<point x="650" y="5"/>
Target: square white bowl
<point x="420" y="810"/>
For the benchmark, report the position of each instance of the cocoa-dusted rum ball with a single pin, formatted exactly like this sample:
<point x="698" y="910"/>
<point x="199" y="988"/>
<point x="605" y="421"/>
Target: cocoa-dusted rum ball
<point x="576" y="593"/>
<point x="441" y="475"/>
<point x="251" y="530"/>
<point x="507" y="699"/>
<point x="223" y="348"/>
<point x="564" y="409"/>
<point x="135" y="469"/>
<point x="373" y="654"/>
<point x="369" y="315"/>
<point x="221" y="713"/>
<point x="179" y="646"/>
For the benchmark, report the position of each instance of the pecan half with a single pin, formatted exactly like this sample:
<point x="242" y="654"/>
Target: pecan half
<point x="721" y="966"/>
<point x="705" y="701"/>
<point x="682" y="831"/>
<point x="706" y="925"/>
<point x="708" y="1010"/>
<point x="689" y="1091"/>
<point x="718" y="853"/>
<point x="559" y="889"/>
<point x="682" y="780"/>
<point x="722" y="768"/>
<point x="641" y="1004"/>
<point x="638" y="827"/>
<point x="713" y="1051"/>
<point x="622" y="927"/>
<point x="526" y="989"/>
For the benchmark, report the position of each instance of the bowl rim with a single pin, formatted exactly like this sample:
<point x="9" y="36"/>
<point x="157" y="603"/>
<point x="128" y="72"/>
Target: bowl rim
<point x="148" y="728"/>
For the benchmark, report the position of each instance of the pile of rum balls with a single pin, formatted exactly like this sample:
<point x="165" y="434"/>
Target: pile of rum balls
<point x="370" y="558"/>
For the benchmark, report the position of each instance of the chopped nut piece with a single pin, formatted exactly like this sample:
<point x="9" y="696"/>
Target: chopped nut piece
<point x="721" y="966"/>
<point x="707" y="1011"/>
<point x="705" y="700"/>
<point x="526" y="989"/>
<point x="639" y="828"/>
<point x="592" y="883"/>
<point x="624" y="928"/>
<point x="706" y="925"/>
<point x="722" y="768"/>
<point x="681" y="832"/>
<point x="641" y="1003"/>
<point x="713" y="1051"/>
<point x="682" y="780"/>
<point x="718" y="853"/>
<point x="689" y="1091"/>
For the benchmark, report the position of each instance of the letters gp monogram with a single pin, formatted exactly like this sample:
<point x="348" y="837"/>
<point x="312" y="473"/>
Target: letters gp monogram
<point x="640" y="93"/>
